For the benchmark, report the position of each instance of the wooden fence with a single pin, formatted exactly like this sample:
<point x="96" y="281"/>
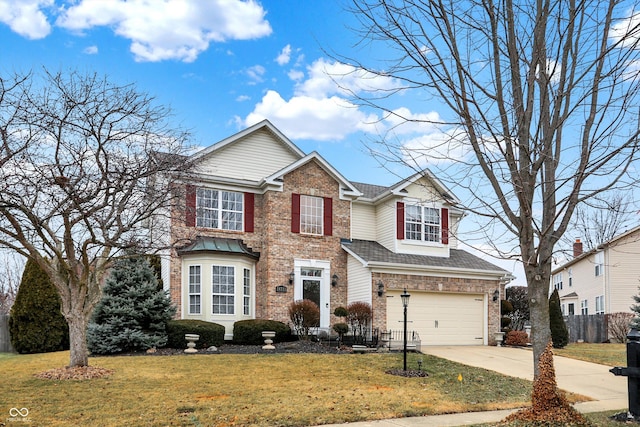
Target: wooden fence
<point x="592" y="328"/>
<point x="5" y="339"/>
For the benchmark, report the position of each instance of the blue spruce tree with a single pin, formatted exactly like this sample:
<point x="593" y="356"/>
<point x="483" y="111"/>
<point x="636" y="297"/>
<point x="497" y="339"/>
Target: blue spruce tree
<point x="133" y="313"/>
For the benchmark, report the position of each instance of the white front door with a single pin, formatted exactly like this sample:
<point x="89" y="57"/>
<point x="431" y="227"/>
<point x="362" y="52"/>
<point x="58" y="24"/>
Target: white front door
<point x="312" y="282"/>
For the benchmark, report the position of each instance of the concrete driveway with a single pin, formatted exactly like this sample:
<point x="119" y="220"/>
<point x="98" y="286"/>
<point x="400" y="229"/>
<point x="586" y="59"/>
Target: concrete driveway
<point x="589" y="379"/>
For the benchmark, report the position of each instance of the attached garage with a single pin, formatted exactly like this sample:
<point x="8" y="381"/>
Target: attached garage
<point x="441" y="318"/>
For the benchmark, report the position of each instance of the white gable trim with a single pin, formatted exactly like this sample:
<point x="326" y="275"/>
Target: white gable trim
<point x="238" y="136"/>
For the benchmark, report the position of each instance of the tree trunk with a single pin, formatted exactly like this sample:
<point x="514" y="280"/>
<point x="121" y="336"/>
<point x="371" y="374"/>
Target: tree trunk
<point x="538" y="292"/>
<point x="78" y="340"/>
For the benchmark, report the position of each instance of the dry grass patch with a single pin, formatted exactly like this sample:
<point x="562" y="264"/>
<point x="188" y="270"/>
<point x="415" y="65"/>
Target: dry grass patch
<point x="604" y="354"/>
<point x="250" y="390"/>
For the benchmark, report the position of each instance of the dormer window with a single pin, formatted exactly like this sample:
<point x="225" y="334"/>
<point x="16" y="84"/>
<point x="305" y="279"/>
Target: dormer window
<point x="420" y="223"/>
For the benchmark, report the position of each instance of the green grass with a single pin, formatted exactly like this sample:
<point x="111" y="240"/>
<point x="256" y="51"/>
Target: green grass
<point x="250" y="390"/>
<point x="604" y="354"/>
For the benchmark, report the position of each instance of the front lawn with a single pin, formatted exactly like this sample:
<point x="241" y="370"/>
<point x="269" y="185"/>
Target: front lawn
<point x="604" y="354"/>
<point x="256" y="390"/>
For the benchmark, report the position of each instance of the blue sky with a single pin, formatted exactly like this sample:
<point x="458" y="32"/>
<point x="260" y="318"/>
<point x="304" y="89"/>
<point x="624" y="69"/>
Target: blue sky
<point x="223" y="65"/>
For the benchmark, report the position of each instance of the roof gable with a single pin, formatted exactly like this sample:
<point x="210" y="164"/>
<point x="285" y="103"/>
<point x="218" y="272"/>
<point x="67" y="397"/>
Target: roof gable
<point x="251" y="155"/>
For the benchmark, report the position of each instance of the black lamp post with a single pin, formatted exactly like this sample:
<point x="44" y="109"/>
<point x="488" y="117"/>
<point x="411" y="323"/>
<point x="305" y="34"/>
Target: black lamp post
<point x="405" y="303"/>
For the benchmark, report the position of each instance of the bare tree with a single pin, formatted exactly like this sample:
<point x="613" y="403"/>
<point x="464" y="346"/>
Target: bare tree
<point x="599" y="220"/>
<point x="538" y="111"/>
<point x="83" y="185"/>
<point x="11" y="268"/>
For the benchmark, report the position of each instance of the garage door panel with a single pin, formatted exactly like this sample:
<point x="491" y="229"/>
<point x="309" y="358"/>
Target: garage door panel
<point x="440" y="318"/>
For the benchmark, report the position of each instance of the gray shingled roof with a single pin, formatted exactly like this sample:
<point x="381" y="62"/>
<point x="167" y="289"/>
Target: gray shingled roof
<point x="374" y="252"/>
<point x="370" y="190"/>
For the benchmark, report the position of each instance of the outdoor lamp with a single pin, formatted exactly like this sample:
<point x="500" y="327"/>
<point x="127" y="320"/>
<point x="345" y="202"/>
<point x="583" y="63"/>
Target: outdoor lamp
<point x="380" y="288"/>
<point x="405" y="298"/>
<point x="334" y="280"/>
<point x="292" y="276"/>
<point x="496" y="295"/>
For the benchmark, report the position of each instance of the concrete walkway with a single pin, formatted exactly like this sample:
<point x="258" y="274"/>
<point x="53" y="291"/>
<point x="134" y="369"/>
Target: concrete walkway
<point x="589" y="379"/>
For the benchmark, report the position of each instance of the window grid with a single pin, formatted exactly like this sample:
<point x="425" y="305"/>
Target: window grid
<point x="600" y="304"/>
<point x="557" y="281"/>
<point x="584" y="307"/>
<point x="219" y="209"/>
<point x="311" y="215"/>
<point x="422" y="223"/>
<point x="247" y="292"/>
<point x="223" y="289"/>
<point x="599" y="264"/>
<point x="195" y="286"/>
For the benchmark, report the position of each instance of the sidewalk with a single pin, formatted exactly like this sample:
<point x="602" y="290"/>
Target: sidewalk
<point x="589" y="379"/>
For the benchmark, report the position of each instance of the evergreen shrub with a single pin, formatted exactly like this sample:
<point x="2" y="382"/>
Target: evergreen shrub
<point x="211" y="334"/>
<point x="36" y="324"/>
<point x="249" y="332"/>
<point x="132" y="314"/>
<point x="559" y="331"/>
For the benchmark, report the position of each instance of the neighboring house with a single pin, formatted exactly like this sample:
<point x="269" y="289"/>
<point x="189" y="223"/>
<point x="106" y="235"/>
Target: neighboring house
<point x="603" y="280"/>
<point x="267" y="224"/>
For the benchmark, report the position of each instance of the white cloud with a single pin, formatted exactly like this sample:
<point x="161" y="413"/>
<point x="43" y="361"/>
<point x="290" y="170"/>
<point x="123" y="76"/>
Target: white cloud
<point x="91" y="50"/>
<point x="285" y="55"/>
<point x="436" y="147"/>
<point x="296" y="75"/>
<point x="25" y="17"/>
<point x="256" y="73"/>
<point x="303" y="117"/>
<point x="243" y="98"/>
<point x="170" y="29"/>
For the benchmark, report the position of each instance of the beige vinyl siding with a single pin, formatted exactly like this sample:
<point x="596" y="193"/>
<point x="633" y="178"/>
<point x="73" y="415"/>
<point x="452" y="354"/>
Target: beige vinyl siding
<point x="256" y="156"/>
<point x="363" y="221"/>
<point x="359" y="279"/>
<point x="386" y="224"/>
<point x="423" y="191"/>
<point x="622" y="271"/>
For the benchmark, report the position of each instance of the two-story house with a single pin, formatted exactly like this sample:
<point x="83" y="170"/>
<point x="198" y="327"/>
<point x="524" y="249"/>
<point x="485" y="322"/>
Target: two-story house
<point x="266" y="224"/>
<point x="602" y="280"/>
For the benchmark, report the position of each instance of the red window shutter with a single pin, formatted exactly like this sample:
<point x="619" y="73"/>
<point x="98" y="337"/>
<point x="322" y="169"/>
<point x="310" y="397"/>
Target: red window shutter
<point x="295" y="213"/>
<point x="190" y="214"/>
<point x="400" y="221"/>
<point x="249" y="206"/>
<point x="328" y="216"/>
<point x="444" y="214"/>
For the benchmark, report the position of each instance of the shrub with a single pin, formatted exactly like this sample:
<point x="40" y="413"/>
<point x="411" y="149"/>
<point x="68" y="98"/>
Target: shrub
<point x="304" y="315"/>
<point x="359" y="318"/>
<point x="132" y="314"/>
<point x="505" y="322"/>
<point x="341" y="329"/>
<point x="517" y="338"/>
<point x="618" y="325"/>
<point x="340" y="312"/>
<point x="250" y="331"/>
<point x="506" y="307"/>
<point x="559" y="331"/>
<point x="210" y="333"/>
<point x="36" y="324"/>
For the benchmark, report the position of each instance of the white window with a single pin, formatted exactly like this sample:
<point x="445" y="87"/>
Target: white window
<point x="599" y="263"/>
<point x="557" y="281"/>
<point x="422" y="223"/>
<point x="572" y="310"/>
<point x="246" y="292"/>
<point x="195" y="288"/>
<point x="564" y="313"/>
<point x="584" y="307"/>
<point x="311" y="215"/>
<point x="223" y="289"/>
<point x="570" y="273"/>
<point x="600" y="304"/>
<point x="219" y="209"/>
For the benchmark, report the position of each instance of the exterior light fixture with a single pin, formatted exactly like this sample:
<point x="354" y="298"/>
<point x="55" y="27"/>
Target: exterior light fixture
<point x="292" y="276"/>
<point x="405" y="303"/>
<point x="380" y="288"/>
<point x="496" y="295"/>
<point x="334" y="280"/>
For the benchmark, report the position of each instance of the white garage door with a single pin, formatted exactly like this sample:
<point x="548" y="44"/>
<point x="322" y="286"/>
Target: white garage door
<point x="440" y="318"/>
